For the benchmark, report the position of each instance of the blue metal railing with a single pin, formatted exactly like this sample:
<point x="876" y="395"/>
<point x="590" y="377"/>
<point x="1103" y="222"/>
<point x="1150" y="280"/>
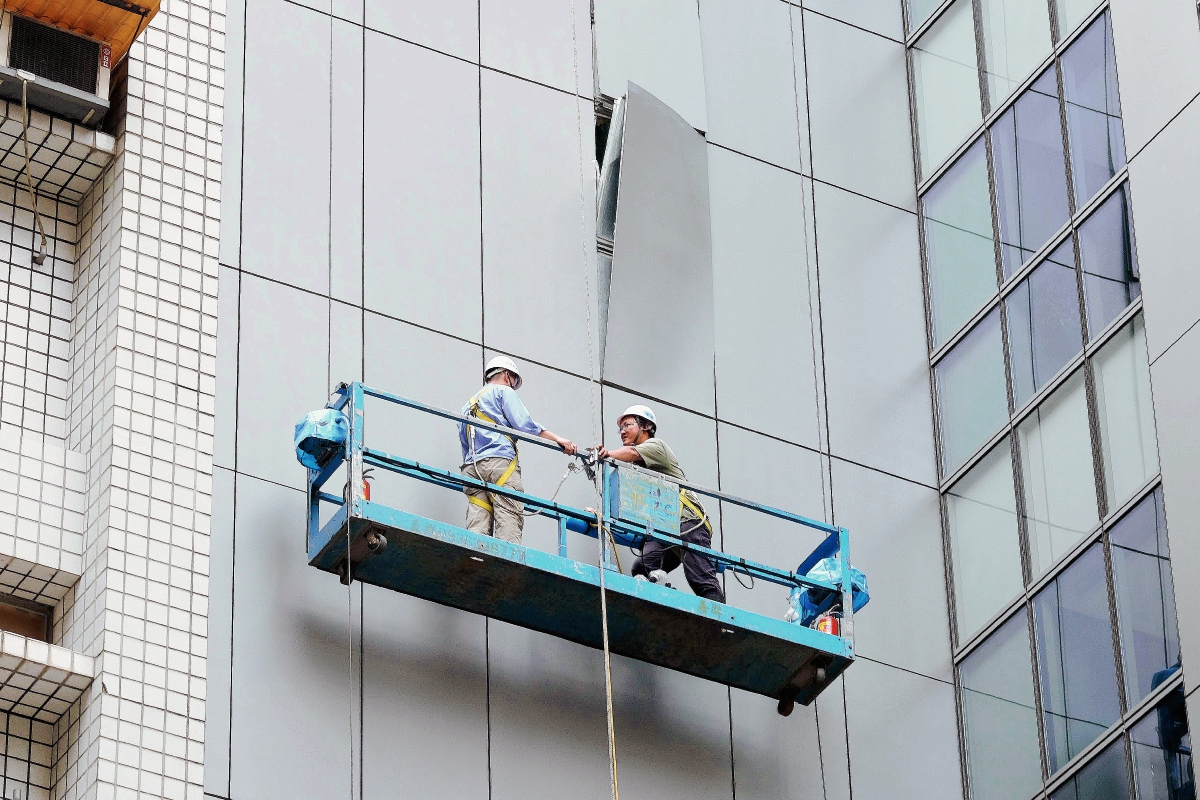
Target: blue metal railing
<point x="351" y="399"/>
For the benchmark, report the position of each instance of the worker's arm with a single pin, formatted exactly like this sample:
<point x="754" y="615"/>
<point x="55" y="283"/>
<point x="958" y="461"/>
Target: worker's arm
<point x="566" y="444"/>
<point x="629" y="454"/>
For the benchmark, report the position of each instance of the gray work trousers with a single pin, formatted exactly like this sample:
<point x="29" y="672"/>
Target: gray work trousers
<point x="505" y="518"/>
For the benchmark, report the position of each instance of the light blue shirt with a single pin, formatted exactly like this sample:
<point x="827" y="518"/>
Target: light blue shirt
<point x="502" y="404"/>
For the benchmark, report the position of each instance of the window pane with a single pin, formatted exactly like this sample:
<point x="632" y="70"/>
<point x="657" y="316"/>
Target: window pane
<point x="1044" y="329"/>
<point x="1093" y="110"/>
<point x="1162" y="752"/>
<point x="1104" y="778"/>
<point x="1016" y="37"/>
<point x="1057" y="475"/>
<point x="1031" y="177"/>
<point x="1127" y="438"/>
<point x="1071" y="13"/>
<point x="1075" y="657"/>
<point x="1110" y="268"/>
<point x="947" y="85"/>
<point x="972" y="398"/>
<point x="919" y="11"/>
<point x="999" y="716"/>
<point x="1145" y="597"/>
<point x="983" y="540"/>
<point x="958" y="243"/>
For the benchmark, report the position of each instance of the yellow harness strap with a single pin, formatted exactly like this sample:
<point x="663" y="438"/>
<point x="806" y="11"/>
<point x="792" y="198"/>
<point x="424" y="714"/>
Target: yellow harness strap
<point x="477" y="412"/>
<point x="695" y="508"/>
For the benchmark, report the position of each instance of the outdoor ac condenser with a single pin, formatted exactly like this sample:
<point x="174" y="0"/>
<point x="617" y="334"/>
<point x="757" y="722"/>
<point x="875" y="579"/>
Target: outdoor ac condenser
<point x="72" y="71"/>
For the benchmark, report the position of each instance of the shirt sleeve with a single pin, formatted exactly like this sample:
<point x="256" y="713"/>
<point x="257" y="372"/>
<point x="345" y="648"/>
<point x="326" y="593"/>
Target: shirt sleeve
<point x="516" y="413"/>
<point x="654" y="454"/>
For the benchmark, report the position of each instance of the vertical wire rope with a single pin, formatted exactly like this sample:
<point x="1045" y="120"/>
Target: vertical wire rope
<point x="587" y="288"/>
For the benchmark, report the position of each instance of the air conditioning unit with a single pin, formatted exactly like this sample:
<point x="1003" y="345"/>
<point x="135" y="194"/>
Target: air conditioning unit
<point x="71" y="71"/>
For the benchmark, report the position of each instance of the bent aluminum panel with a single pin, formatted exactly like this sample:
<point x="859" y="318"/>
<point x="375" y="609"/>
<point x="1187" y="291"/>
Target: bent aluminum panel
<point x="559" y="596"/>
<point x="659" y="339"/>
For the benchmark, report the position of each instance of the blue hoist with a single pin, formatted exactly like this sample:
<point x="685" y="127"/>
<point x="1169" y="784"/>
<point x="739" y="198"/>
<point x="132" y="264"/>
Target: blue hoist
<point x="791" y="659"/>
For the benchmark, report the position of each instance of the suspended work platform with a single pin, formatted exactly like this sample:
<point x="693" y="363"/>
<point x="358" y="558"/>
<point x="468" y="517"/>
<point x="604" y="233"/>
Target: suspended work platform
<point x="554" y="594"/>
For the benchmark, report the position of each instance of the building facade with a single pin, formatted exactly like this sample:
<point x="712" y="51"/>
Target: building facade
<point x="925" y="270"/>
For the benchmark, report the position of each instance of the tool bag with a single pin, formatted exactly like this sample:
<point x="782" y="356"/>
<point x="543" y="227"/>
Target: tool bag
<point x="320" y="435"/>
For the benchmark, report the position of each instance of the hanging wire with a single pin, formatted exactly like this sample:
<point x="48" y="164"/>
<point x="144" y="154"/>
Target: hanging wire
<point x="40" y="257"/>
<point x="592" y="388"/>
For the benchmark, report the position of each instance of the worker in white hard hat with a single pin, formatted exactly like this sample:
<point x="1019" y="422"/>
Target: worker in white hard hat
<point x="492" y="457"/>
<point x="642" y="446"/>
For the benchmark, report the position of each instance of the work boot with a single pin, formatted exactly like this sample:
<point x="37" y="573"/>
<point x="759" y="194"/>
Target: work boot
<point x="660" y="577"/>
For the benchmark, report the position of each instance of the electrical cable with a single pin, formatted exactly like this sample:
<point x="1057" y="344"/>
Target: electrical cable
<point x="41" y="255"/>
<point x="601" y="532"/>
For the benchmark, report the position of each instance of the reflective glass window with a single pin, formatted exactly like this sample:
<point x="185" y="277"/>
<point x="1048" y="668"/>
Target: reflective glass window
<point x="1031" y="177"/>
<point x="1076" y="667"/>
<point x="1145" y="597"/>
<point x="1109" y="258"/>
<point x="1162" y="752"/>
<point x="1044" y="330"/>
<point x="1071" y="13"/>
<point x="1104" y="778"/>
<point x="1093" y="110"/>
<point x="1057" y="475"/>
<point x="984" y="543"/>
<point x="972" y="396"/>
<point x="958" y="243"/>
<point x="919" y="11"/>
<point x="1127" y="439"/>
<point x="1016" y="38"/>
<point x="946" y="73"/>
<point x="999" y="715"/>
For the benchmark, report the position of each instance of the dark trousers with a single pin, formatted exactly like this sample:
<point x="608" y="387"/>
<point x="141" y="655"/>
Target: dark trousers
<point x="701" y="573"/>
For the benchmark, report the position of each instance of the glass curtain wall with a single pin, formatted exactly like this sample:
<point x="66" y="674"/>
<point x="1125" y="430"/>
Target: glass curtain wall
<point x="1065" y="640"/>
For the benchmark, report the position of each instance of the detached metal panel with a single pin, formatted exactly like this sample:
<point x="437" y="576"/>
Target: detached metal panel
<point x="659" y="339"/>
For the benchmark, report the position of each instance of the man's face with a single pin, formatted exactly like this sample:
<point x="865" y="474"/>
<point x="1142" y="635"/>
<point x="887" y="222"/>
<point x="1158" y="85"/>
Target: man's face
<point x="630" y="429"/>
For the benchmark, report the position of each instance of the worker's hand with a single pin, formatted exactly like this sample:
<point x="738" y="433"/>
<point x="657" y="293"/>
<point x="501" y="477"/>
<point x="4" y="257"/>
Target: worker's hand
<point x="568" y="446"/>
<point x="601" y="453"/>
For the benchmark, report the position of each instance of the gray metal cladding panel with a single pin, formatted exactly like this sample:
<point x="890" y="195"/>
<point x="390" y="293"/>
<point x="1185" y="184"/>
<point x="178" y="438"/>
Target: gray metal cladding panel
<point x="283" y="353"/>
<point x="774" y="757"/>
<point x="1166" y="221"/>
<point x="764" y="336"/>
<point x="422" y="218"/>
<point x="655" y="45"/>
<point x="219" y="665"/>
<point x="749" y="79"/>
<point x="660" y="313"/>
<point x="228" y="299"/>
<point x="346" y="167"/>
<point x="896" y="536"/>
<point x="538" y="222"/>
<point x="875" y="356"/>
<point x="285" y="168"/>
<point x="533" y="39"/>
<point x="672" y="733"/>
<point x="1175" y="382"/>
<point x="858" y="105"/>
<point x="449" y="27"/>
<point x="546" y="696"/>
<point x="902" y="731"/>
<point x="878" y="16"/>
<point x="1158" y="64"/>
<point x="835" y="757"/>
<point x="291" y="679"/>
<point x="425" y="698"/>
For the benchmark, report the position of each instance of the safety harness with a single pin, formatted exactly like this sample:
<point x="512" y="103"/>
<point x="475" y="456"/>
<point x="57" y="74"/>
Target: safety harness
<point x="695" y="508"/>
<point x="475" y="411"/>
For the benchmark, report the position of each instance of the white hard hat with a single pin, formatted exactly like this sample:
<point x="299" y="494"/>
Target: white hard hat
<point x="639" y="411"/>
<point x="503" y="363"/>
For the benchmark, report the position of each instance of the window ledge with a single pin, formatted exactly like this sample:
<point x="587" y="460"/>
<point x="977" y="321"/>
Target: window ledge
<point x="65" y="158"/>
<point x="40" y="680"/>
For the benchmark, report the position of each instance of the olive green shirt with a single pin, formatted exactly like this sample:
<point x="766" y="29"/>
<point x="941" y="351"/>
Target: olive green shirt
<point x="657" y="455"/>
